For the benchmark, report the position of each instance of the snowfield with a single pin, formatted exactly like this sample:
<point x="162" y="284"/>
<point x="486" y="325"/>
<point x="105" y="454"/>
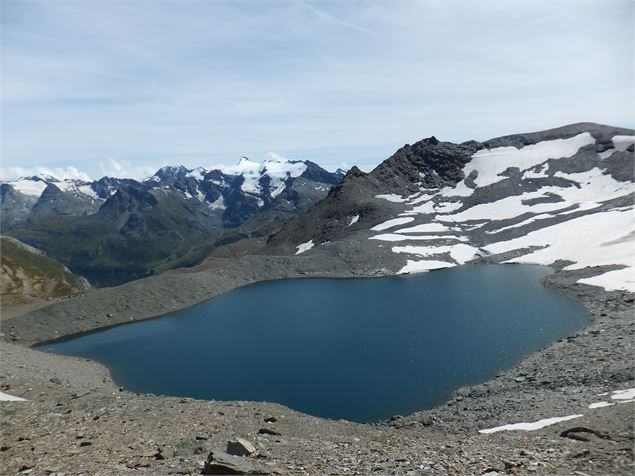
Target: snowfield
<point x="578" y="225"/>
<point x="279" y="170"/>
<point x="491" y="163"/>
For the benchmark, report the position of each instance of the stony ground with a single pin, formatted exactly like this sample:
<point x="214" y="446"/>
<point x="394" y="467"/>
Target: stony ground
<point x="76" y="421"/>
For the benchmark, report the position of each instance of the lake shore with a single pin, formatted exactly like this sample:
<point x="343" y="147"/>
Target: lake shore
<point x="73" y="402"/>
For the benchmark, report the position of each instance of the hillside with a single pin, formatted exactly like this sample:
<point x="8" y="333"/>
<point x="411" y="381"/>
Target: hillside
<point x="29" y="274"/>
<point x="563" y="196"/>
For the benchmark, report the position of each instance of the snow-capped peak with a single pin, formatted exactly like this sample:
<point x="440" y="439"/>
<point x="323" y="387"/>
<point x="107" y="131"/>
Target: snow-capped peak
<point x="32" y="186"/>
<point x="35" y="185"/>
<point x="197" y="173"/>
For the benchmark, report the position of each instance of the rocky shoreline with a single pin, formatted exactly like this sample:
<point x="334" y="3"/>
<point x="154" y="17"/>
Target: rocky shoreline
<point x="77" y="421"/>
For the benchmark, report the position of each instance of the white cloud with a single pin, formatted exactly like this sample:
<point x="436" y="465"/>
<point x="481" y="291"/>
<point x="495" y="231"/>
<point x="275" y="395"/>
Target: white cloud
<point x="326" y="82"/>
<point x="15" y="172"/>
<point x="124" y="169"/>
<point x="277" y="157"/>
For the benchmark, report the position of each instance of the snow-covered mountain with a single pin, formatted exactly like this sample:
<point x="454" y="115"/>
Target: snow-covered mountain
<point x="112" y="229"/>
<point x="564" y="196"/>
<point x="239" y="191"/>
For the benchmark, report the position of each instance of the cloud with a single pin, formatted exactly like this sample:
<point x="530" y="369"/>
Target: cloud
<point x="107" y="168"/>
<point x="124" y="169"/>
<point x="328" y="82"/>
<point x="322" y="14"/>
<point x="61" y="173"/>
<point x="276" y="157"/>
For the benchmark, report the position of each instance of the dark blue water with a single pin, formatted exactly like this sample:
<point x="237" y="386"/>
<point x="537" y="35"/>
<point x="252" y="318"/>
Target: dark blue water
<point x="359" y="349"/>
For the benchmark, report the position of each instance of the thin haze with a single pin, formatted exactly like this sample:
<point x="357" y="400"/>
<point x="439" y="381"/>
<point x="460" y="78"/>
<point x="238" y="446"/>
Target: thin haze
<point x="122" y="87"/>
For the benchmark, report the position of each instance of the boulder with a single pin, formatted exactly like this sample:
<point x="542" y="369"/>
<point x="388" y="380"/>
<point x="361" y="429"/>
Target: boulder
<point x="223" y="463"/>
<point x="240" y="447"/>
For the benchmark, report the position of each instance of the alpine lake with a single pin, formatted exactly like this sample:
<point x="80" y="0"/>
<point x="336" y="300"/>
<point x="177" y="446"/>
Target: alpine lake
<point x="357" y="349"/>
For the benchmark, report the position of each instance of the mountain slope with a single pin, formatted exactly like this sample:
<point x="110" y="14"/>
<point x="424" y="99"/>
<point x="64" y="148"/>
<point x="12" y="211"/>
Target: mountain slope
<point x="563" y="196"/>
<point x="27" y="273"/>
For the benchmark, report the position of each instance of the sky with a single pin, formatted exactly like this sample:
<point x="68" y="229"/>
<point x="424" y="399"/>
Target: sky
<point x="120" y="88"/>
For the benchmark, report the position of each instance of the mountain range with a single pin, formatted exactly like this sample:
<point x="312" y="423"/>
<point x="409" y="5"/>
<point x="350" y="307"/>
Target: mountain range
<point x="562" y="197"/>
<point x="113" y="230"/>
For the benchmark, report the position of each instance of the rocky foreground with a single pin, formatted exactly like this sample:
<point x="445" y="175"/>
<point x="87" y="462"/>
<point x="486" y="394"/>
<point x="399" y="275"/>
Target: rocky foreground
<point x="76" y="421"/>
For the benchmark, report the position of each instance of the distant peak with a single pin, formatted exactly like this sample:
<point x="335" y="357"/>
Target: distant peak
<point x="245" y="160"/>
<point x="172" y="168"/>
<point x="168" y="171"/>
<point x="41" y="178"/>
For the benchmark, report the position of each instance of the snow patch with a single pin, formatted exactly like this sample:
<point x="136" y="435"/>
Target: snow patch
<point x="87" y="190"/>
<point x="490" y="163"/>
<point x="536" y="172"/>
<point x="522" y="223"/>
<point x="626" y="394"/>
<point x="426" y="227"/>
<point x="198" y="173"/>
<point x="422" y="198"/>
<point x="413" y="266"/>
<point x="459" y="190"/>
<point x="591" y="240"/>
<point x="218" y="204"/>
<point x="26" y="186"/>
<point x="536" y="425"/>
<point x="397" y="237"/>
<point x="508" y="207"/>
<point x="622" y="143"/>
<point x="304" y="247"/>
<point x="461" y="253"/>
<point x="448" y="207"/>
<point x="618" y="280"/>
<point x="390" y="223"/>
<point x="600" y="405"/>
<point x="392" y="197"/>
<point x="5" y="397"/>
<point x="353" y="220"/>
<point x="426" y="207"/>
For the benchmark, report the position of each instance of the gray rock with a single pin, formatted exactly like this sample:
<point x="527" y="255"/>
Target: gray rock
<point x="240" y="447"/>
<point x="223" y="463"/>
